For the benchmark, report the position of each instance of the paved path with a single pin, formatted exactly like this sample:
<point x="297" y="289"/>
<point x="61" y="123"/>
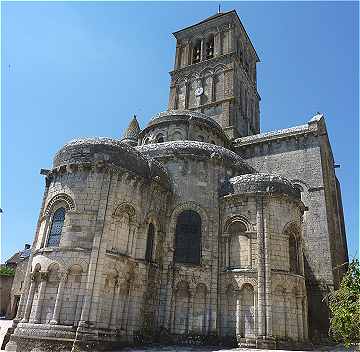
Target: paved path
<point x="4" y="325"/>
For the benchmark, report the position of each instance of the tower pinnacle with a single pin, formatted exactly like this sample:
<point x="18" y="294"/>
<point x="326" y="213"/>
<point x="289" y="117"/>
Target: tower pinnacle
<point x="132" y="132"/>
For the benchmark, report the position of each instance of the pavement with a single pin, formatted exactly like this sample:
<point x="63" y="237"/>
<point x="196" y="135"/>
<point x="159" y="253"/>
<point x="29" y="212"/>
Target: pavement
<point x="5" y="324"/>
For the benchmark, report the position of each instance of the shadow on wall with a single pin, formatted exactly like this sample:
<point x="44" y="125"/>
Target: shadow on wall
<point x="318" y="311"/>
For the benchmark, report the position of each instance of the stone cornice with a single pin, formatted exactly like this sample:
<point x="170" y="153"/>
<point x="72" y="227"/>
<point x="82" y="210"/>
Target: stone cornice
<point x="316" y="127"/>
<point x="211" y="64"/>
<point x="302" y="130"/>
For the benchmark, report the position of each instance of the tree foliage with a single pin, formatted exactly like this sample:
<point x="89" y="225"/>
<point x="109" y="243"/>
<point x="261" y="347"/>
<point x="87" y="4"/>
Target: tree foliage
<point x="344" y="305"/>
<point x="6" y="271"/>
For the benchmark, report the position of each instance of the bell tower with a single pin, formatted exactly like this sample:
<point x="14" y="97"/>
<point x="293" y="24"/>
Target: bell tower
<point x="215" y="73"/>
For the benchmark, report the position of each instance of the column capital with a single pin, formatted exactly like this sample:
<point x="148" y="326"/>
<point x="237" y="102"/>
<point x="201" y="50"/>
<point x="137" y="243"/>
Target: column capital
<point x="44" y="276"/>
<point x="64" y="276"/>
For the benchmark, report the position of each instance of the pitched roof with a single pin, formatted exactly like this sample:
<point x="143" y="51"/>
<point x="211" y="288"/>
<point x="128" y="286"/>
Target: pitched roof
<point x="18" y="257"/>
<point x="220" y="15"/>
<point x="205" y="20"/>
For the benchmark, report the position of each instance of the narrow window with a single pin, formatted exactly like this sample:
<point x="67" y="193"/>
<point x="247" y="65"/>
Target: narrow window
<point x="294" y="254"/>
<point x="239" y="246"/>
<point x="188" y="238"/>
<point x="159" y="138"/>
<point x="150" y="243"/>
<point x="197" y="52"/>
<point x="210" y="47"/>
<point x="56" y="227"/>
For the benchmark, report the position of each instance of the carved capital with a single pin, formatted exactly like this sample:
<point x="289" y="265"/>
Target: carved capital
<point x="64" y="276"/>
<point x="44" y="276"/>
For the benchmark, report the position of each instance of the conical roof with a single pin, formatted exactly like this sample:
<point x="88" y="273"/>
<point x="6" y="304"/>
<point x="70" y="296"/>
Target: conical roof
<point x="133" y="130"/>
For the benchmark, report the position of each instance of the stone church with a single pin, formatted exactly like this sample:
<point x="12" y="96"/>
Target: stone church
<point x="195" y="229"/>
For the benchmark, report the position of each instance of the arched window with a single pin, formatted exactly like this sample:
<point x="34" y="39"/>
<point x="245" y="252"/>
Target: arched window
<point x="150" y="243"/>
<point x="159" y="138"/>
<point x="301" y="192"/>
<point x="239" y="250"/>
<point x="293" y="234"/>
<point x="294" y="254"/>
<point x="56" y="227"/>
<point x="197" y="52"/>
<point x="210" y="47"/>
<point x="188" y="238"/>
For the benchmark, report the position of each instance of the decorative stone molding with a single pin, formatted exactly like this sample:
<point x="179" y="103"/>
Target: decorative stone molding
<point x="189" y="206"/>
<point x="125" y="208"/>
<point x="234" y="218"/>
<point x="57" y="199"/>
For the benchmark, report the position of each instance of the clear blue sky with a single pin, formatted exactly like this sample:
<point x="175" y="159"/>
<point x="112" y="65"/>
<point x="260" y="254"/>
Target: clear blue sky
<point x="83" y="69"/>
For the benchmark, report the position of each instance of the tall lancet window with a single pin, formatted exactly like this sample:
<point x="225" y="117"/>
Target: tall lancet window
<point x="56" y="227"/>
<point x="293" y="234"/>
<point x="150" y="243"/>
<point x="294" y="254"/>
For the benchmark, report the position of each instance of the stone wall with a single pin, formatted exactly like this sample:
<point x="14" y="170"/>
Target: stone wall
<point x="303" y="155"/>
<point x="17" y="287"/>
<point x="5" y="294"/>
<point x="261" y="296"/>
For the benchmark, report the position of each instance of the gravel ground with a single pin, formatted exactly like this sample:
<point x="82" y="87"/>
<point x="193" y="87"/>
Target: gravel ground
<point x="5" y="324"/>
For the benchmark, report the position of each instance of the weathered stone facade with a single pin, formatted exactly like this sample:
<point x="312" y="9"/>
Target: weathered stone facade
<point x="181" y="231"/>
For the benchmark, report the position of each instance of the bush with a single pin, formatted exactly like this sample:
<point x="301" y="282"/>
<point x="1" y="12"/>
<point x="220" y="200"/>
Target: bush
<point x="344" y="305"/>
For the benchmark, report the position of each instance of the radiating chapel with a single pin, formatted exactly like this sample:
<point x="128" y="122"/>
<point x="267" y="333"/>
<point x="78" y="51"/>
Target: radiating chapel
<point x="197" y="228"/>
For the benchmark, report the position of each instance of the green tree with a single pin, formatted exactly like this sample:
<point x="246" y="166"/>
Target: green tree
<point x="6" y="271"/>
<point x="344" y="305"/>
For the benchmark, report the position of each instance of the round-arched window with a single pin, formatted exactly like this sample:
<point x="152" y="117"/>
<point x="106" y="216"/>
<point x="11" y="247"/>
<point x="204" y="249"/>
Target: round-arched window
<point x="196" y="52"/>
<point x="239" y="245"/>
<point x="56" y="227"/>
<point x="160" y="138"/>
<point x="294" y="249"/>
<point x="188" y="238"/>
<point x="210" y="47"/>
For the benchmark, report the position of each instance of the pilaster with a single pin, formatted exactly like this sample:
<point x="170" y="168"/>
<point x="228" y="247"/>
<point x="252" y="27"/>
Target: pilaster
<point x="40" y="301"/>
<point x="59" y="296"/>
<point x="30" y="299"/>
